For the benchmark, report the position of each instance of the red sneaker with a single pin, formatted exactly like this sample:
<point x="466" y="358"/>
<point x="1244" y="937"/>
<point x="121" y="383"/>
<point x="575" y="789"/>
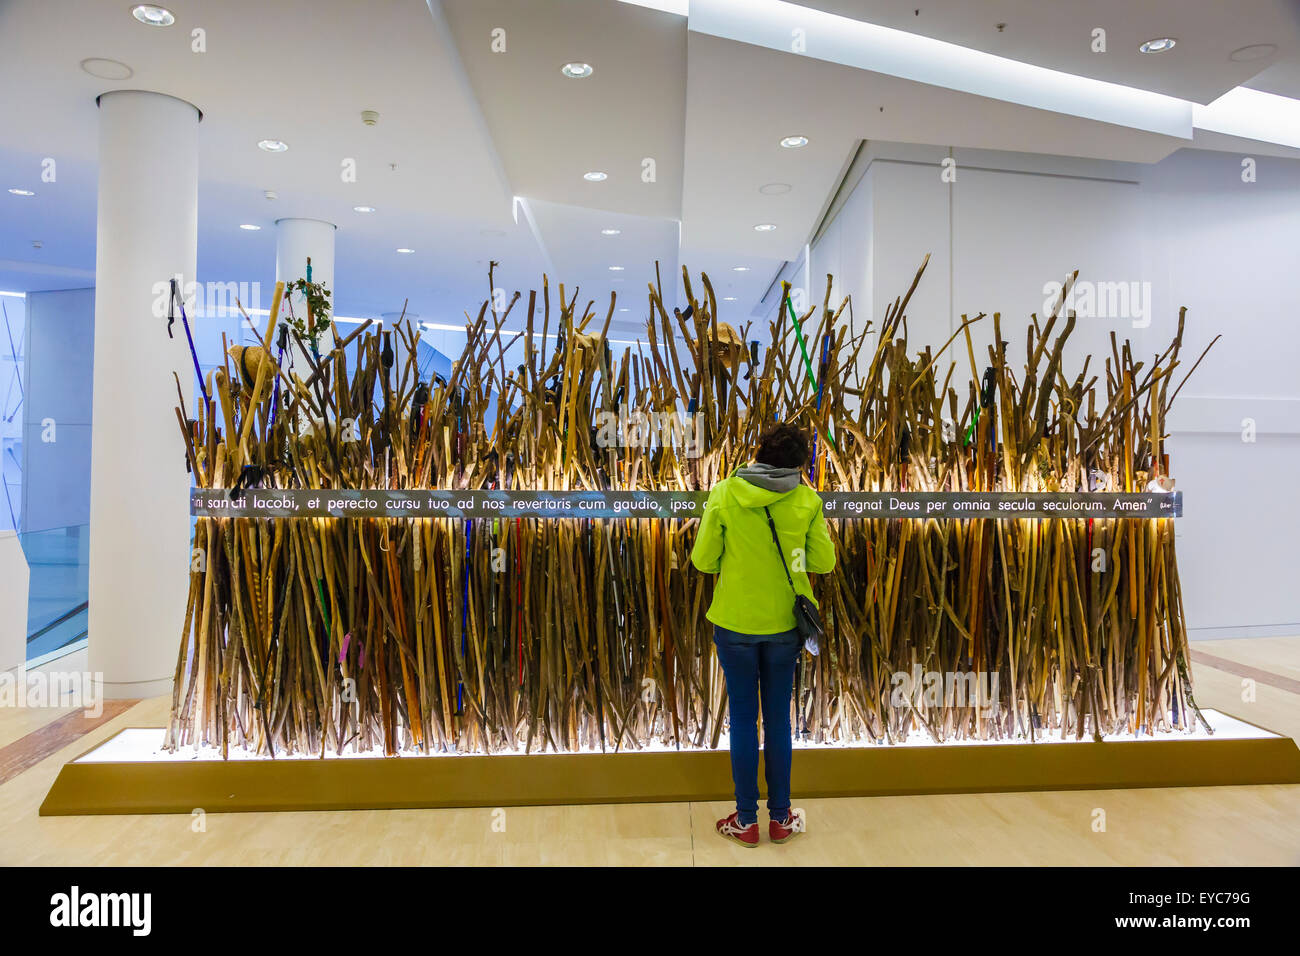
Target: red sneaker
<point x="730" y="828"/>
<point x="781" y="831"/>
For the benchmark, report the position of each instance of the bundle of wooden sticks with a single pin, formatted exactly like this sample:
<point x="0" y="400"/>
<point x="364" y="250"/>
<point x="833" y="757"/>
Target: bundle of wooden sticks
<point x="324" y="635"/>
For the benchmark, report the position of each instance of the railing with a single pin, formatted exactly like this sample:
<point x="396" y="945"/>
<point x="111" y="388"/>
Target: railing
<point x="58" y="591"/>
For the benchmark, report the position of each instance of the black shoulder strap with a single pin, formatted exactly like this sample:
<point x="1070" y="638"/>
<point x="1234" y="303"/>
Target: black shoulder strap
<point x="777" y="541"/>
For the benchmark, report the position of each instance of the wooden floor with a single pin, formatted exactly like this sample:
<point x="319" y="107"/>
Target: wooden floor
<point x="1203" y="826"/>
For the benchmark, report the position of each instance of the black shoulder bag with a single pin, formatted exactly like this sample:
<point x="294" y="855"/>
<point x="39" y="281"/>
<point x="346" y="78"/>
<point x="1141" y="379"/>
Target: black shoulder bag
<point x="806" y="619"/>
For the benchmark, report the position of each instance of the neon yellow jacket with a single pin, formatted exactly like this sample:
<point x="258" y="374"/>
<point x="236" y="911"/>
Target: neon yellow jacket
<point x="751" y="595"/>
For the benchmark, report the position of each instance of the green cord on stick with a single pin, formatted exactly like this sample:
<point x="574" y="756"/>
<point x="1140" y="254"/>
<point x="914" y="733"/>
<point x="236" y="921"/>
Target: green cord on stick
<point x="807" y="362"/>
<point x="803" y="347"/>
<point x="324" y="611"/>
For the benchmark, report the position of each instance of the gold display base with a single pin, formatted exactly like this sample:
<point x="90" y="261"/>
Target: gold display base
<point x="108" y="780"/>
<point x="102" y="784"/>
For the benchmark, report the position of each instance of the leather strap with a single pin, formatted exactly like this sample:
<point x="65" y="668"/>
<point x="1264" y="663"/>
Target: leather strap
<point x="781" y="554"/>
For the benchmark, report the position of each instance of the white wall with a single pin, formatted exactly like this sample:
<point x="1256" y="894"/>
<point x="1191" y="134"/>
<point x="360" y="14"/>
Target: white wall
<point x="14" y="576"/>
<point x="1230" y="251"/>
<point x="1188" y="232"/>
<point x="57" y="412"/>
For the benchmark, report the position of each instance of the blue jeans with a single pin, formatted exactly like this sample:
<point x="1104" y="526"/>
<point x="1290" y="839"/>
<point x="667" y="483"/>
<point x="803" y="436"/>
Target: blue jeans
<point x="753" y="665"/>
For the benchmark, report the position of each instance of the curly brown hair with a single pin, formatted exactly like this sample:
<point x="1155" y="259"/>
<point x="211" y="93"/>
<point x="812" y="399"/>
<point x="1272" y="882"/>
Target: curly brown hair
<point x="784" y="446"/>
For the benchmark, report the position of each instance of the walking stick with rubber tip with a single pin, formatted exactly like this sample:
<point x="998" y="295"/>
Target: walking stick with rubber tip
<point x="172" y="301"/>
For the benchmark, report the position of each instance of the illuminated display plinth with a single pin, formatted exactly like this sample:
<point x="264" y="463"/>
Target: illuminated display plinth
<point x="133" y="773"/>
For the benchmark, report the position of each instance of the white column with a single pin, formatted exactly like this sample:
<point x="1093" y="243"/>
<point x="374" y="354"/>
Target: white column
<point x="139" y="489"/>
<point x="295" y="241"/>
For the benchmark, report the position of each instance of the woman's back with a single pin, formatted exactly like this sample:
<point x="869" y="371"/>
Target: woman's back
<point x="751" y="595"/>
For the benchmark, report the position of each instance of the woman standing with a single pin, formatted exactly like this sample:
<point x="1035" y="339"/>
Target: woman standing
<point x="753" y="617"/>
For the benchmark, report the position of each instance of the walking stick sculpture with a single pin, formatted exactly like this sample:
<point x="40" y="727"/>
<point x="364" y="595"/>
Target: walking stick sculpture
<point x="322" y="635"/>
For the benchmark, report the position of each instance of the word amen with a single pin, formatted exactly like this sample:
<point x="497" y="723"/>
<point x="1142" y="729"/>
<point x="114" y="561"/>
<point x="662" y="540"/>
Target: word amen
<point x="103" y="909"/>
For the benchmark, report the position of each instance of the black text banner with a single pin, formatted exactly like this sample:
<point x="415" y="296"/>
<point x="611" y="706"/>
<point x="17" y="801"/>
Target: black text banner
<point x="442" y="503"/>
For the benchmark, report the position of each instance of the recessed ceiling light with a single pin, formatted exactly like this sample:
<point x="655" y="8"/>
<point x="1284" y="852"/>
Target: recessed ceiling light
<point x="153" y="16"/>
<point x="615" y="268"/>
<point x="22" y="192"/>
<point x="728" y="298"/>
<point x="740" y="269"/>
<point x="595" y="176"/>
<point x="106" y="69"/>
<point x="1257" y="51"/>
<point x="577" y="71"/>
<point x="765" y="227"/>
<point x="610" y="232"/>
<point x="794" y="142"/>
<point x="250" y="227"/>
<point x="1158" y="45"/>
<point x="363" y="208"/>
<point x="625" y="310"/>
<point x="273" y="145"/>
<point x="774" y="189"/>
<point x="404" y="251"/>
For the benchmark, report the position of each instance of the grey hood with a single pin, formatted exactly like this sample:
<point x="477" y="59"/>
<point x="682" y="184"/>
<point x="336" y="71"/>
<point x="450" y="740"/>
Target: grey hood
<point x="769" y="478"/>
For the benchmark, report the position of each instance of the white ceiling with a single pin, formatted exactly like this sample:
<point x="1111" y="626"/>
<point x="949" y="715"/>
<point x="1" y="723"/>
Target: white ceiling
<point x="294" y="70"/>
<point x="1058" y="34"/>
<point x="549" y="129"/>
<point x="469" y="129"/>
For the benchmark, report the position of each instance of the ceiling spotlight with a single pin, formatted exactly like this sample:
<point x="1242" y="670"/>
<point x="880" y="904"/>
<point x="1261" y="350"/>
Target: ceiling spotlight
<point x="728" y="298"/>
<point x="404" y="251"/>
<point x="153" y="16"/>
<point x="794" y="142"/>
<point x="250" y="227"/>
<point x="595" y="176"/>
<point x="273" y="145"/>
<point x="106" y="69"/>
<point x="1257" y="51"/>
<point x="774" y="189"/>
<point x="1158" y="45"/>
<point x="740" y="268"/>
<point x="363" y="208"/>
<point x="765" y="227"/>
<point x="577" y="71"/>
<point x="615" y="268"/>
<point x="610" y="232"/>
<point x="22" y="192"/>
<point x="625" y="310"/>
